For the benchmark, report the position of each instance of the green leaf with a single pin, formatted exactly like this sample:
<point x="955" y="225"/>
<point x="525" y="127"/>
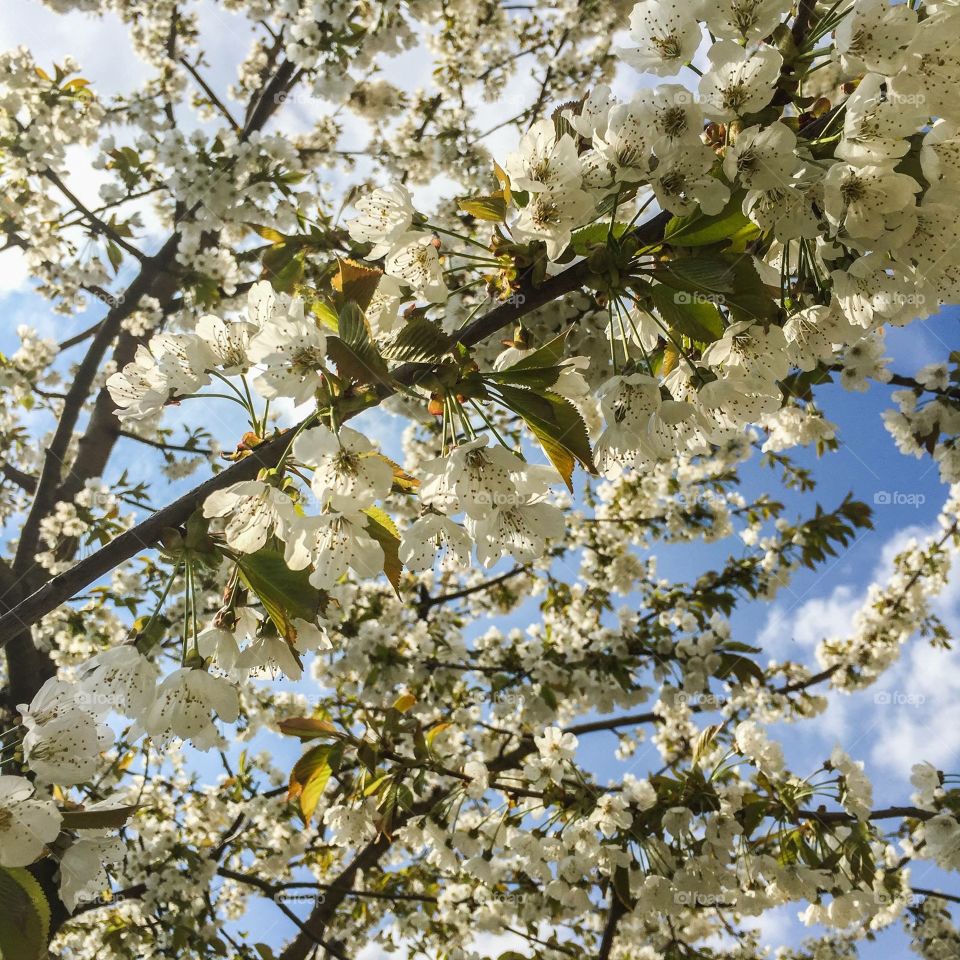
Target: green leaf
<point x="699" y="229"/>
<point x="684" y="314"/>
<point x="353" y="351"/>
<point x="743" y="668"/>
<point x="308" y="728"/>
<point x="552" y="352"/>
<point x="24" y="916"/>
<point x="750" y="299"/>
<point x="325" y="314"/>
<point x="705" y="739"/>
<point x="709" y="272"/>
<point x="539" y="370"/>
<point x="597" y="233"/>
<point x="355" y="282"/>
<point x="384" y="531"/>
<point x="286" y="594"/>
<point x="107" y="819"/>
<point x="557" y="424"/>
<point x="268" y="233"/>
<point x="115" y="256"/>
<point x="419" y="341"/>
<point x="309" y="777"/>
<point x="492" y="208"/>
<point x="435" y="731"/>
<point x="283" y="266"/>
<point x="404" y="702"/>
<point x="536" y="378"/>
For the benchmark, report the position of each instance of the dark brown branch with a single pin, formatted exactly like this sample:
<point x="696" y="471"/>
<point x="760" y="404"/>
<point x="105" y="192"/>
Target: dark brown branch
<point x="829" y="817"/>
<point x="50" y="475"/>
<point x="923" y="892"/>
<point x="79" y="337"/>
<point x="168" y="447"/>
<point x="428" y="603"/>
<point x="616" y="914"/>
<point x="97" y="224"/>
<point x="21" y="478"/>
<point x="61" y="588"/>
<point x="208" y="90"/>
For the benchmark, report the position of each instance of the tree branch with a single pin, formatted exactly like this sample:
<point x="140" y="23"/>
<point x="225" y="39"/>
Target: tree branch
<point x="144" y="535"/>
<point x="50" y="474"/>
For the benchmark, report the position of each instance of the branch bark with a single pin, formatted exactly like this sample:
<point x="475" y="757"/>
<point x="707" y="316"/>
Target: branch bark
<point x="61" y="588"/>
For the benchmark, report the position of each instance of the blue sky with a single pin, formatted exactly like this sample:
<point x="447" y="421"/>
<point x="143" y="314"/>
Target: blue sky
<point x="888" y="737"/>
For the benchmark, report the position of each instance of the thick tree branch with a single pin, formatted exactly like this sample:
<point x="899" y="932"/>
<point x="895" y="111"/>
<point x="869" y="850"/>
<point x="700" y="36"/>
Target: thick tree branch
<point x="84" y="377"/>
<point x="144" y="535"/>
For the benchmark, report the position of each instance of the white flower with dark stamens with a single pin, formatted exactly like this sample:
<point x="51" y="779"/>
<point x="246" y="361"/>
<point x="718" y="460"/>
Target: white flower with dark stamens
<point x="291" y="348"/>
<point x="383" y="217"/>
<point x="675" y="116"/>
<point x="627" y="143"/>
<point x="184" y="704"/>
<point x="227" y="341"/>
<point x="857" y="199"/>
<point x="348" y="473"/>
<point x="933" y="63"/>
<point x="874" y="291"/>
<point x="874" y="36"/>
<point x="255" y="510"/>
<point x="750" y="346"/>
<point x="334" y="543"/>
<point x="183" y="360"/>
<point x="762" y="158"/>
<point x="556" y="750"/>
<point x="682" y="182"/>
<point x="519" y="528"/>
<point x="544" y="161"/>
<point x="744" y="19"/>
<point x="877" y="120"/>
<point x="940" y="154"/>
<point x="665" y="36"/>
<point x="738" y="82"/>
<point x="416" y="261"/>
<point x="27" y="824"/>
<point x="786" y="211"/>
<point x="432" y="533"/>
<point x="592" y="117"/>
<point x="139" y="390"/>
<point x="478" y="476"/>
<point x="220" y="646"/>
<point x="383" y="311"/>
<point x="66" y="750"/>
<point x="121" y="679"/>
<point x="272" y="653"/>
<point x="811" y="335"/>
<point x="82" y="873"/>
<point x="552" y="216"/>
